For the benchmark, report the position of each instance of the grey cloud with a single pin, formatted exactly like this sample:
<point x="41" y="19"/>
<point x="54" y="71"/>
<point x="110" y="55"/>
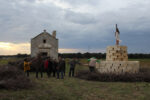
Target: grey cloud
<point x="77" y="3"/>
<point x="80" y="18"/>
<point x="21" y="21"/>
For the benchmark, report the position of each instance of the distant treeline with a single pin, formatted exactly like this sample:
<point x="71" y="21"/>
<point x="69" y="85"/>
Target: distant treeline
<point x="16" y="56"/>
<point x="86" y="55"/>
<point x="102" y="55"/>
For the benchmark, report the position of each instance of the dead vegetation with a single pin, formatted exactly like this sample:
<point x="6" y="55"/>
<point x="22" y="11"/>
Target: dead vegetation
<point x="142" y="76"/>
<point x="12" y="77"/>
<point x="18" y="64"/>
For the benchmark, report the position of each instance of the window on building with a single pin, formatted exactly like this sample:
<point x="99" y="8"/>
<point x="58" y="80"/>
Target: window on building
<point x="44" y="41"/>
<point x="44" y="53"/>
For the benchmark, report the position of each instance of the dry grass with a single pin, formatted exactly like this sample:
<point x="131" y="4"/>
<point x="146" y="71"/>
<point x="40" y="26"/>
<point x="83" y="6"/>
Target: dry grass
<point x="78" y="89"/>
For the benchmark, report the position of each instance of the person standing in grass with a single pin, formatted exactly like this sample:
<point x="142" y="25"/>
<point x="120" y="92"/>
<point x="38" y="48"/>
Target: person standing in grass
<point x="72" y="64"/>
<point x="39" y="64"/>
<point x="26" y="66"/>
<point x="46" y="66"/>
<point x="60" y="68"/>
<point x="64" y="66"/>
<point x="92" y="64"/>
<point x="54" y="67"/>
<point x="50" y="66"/>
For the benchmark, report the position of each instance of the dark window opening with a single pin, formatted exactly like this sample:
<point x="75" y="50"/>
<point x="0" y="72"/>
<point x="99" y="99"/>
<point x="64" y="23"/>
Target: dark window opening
<point x="44" y="53"/>
<point x="44" y="41"/>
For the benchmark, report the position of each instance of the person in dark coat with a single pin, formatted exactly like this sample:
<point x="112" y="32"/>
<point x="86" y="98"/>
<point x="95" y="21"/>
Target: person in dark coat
<point x="60" y="68"/>
<point x="54" y="67"/>
<point x="38" y="63"/>
<point x="64" y="66"/>
<point x="72" y="64"/>
<point x="50" y="66"/>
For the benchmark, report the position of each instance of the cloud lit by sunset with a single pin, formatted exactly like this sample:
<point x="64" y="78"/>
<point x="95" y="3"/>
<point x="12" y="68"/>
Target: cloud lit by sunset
<point x="7" y="48"/>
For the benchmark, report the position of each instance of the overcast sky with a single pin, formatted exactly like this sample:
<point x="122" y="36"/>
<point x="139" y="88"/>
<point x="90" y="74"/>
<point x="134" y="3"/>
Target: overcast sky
<point x="81" y="25"/>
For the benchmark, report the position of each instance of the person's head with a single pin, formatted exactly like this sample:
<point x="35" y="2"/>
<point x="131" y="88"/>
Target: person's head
<point x="49" y="58"/>
<point x="59" y="58"/>
<point x="52" y="58"/>
<point x="55" y="60"/>
<point x="25" y="59"/>
<point x="74" y="58"/>
<point x="39" y="55"/>
<point x="94" y="57"/>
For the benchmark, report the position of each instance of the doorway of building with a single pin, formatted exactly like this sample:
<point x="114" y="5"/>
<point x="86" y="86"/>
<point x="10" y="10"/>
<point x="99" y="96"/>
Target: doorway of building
<point x="44" y="54"/>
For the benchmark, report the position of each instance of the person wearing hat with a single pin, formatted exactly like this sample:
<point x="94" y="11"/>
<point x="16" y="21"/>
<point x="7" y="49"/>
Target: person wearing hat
<point x="92" y="64"/>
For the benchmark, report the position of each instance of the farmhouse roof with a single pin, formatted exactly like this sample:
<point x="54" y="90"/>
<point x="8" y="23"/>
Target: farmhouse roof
<point x="44" y="32"/>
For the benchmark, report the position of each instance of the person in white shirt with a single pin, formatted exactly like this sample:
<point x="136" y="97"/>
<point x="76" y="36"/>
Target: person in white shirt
<point x="92" y="64"/>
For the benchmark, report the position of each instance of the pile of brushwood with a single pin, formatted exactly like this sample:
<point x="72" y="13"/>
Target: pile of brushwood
<point x="11" y="77"/>
<point x="142" y="76"/>
<point x="17" y="63"/>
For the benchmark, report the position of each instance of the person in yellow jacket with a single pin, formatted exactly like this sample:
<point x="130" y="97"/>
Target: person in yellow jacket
<point x="27" y="66"/>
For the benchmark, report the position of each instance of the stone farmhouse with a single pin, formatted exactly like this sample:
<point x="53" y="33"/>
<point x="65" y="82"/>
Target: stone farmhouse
<point x="45" y="44"/>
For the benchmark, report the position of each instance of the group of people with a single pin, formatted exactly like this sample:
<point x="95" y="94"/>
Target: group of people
<point x="51" y="66"/>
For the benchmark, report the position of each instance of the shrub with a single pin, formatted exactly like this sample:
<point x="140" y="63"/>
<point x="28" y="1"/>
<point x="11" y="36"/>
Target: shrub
<point x="13" y="78"/>
<point x="110" y="77"/>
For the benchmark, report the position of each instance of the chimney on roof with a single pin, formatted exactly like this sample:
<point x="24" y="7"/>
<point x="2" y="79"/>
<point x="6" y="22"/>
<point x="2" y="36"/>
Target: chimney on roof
<point x="54" y="33"/>
<point x="44" y="30"/>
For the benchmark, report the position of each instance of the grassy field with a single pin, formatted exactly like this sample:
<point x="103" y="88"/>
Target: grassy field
<point x="6" y="60"/>
<point x="77" y="89"/>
